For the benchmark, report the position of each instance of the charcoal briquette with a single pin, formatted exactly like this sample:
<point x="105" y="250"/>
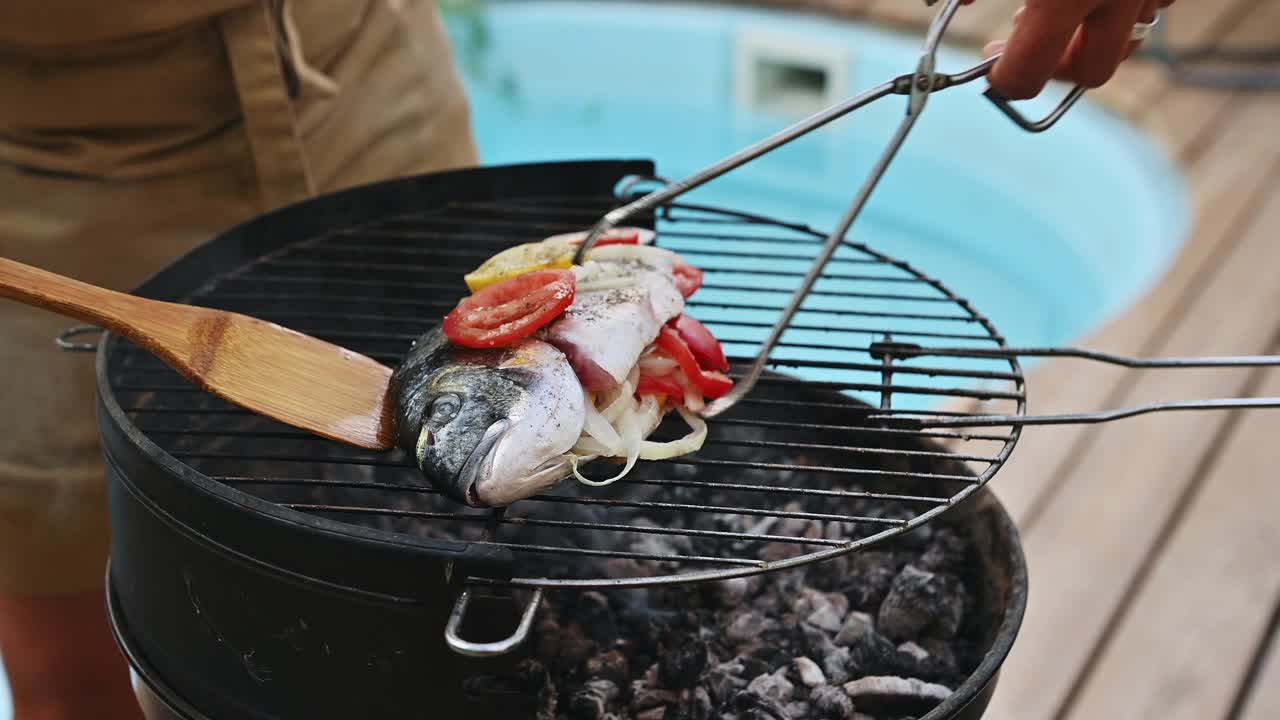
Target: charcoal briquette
<point x="922" y="603"/>
<point x="869" y="575"/>
<point x="831" y="703"/>
<point x="774" y="686"/>
<point x="835" y="665"/>
<point x="682" y="662"/>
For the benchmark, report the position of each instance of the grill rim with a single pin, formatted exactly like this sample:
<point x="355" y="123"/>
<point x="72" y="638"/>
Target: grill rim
<point x="493" y="562"/>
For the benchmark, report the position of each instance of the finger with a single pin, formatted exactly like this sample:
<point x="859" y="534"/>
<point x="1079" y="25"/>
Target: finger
<point x="997" y="46"/>
<point x="1035" y="47"/>
<point x="1102" y="43"/>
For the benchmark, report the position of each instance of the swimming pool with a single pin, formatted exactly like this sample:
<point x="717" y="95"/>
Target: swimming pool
<point x="1046" y="234"/>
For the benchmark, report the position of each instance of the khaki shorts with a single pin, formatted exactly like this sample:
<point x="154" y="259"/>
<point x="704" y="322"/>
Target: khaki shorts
<point x="393" y="106"/>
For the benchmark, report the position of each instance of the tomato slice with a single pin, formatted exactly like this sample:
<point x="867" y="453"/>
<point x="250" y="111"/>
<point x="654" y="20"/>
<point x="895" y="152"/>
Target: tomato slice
<point x="688" y="278"/>
<point x="510" y="309"/>
<point x="710" y="384"/>
<point x="659" y="385"/>
<point x="702" y="343"/>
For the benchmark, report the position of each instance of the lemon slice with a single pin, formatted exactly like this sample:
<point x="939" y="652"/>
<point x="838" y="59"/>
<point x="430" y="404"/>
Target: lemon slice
<point x="519" y="260"/>
<point x="555" y="252"/>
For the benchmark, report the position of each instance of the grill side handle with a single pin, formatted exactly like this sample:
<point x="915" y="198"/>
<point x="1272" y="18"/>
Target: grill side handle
<point x="888" y="350"/>
<point x="453" y="638"/>
<point x="64" y="339"/>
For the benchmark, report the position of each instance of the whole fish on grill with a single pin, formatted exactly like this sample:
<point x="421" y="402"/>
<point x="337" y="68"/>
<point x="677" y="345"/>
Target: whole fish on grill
<point x="488" y="426"/>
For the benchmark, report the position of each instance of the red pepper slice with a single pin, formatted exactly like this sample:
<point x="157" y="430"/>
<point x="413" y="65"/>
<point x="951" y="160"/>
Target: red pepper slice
<point x="710" y="384"/>
<point x="714" y="383"/>
<point x="702" y="343"/>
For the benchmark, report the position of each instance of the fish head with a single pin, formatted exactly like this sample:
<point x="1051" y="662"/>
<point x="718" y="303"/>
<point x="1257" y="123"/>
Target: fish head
<point x="491" y="427"/>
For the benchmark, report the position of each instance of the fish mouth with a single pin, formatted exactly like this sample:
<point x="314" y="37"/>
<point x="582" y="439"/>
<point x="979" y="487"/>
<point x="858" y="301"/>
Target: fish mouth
<point x="543" y="477"/>
<point x="479" y="464"/>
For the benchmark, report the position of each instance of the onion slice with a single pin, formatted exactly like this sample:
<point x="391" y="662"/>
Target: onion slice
<point x="621" y="428"/>
<point x="597" y="426"/>
<point x="622" y="400"/>
<point x="689" y="443"/>
<point x="631" y="440"/>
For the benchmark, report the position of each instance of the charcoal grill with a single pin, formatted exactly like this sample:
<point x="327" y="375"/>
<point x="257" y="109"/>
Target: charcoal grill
<point x="240" y="542"/>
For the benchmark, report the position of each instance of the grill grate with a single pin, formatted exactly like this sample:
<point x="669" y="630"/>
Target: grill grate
<point x="779" y="474"/>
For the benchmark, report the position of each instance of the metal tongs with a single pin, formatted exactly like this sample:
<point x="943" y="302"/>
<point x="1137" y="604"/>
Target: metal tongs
<point x="917" y="86"/>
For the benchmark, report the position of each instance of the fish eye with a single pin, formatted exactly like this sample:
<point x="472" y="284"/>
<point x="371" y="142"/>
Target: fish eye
<point x="445" y="408"/>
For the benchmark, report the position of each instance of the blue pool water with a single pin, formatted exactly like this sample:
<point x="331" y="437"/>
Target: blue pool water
<point x="1046" y="234"/>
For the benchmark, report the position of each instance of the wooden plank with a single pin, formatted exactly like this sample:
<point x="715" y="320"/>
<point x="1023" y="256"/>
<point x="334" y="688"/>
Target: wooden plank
<point x="1223" y="184"/>
<point x="851" y="7"/>
<point x="1087" y="545"/>
<point x="1183" y="114"/>
<point x="1264" y="703"/>
<point x="1194" y="627"/>
<point x="1190" y="24"/>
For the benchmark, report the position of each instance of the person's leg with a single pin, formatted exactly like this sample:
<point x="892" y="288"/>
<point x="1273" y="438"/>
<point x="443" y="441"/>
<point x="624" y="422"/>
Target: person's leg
<point x="58" y="653"/>
<point x="61" y="660"/>
<point x="59" y="656"/>
<point x="57" y="649"/>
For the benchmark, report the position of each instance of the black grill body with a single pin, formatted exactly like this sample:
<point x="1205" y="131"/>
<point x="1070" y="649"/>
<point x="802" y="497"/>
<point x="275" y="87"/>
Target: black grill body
<point x="233" y="606"/>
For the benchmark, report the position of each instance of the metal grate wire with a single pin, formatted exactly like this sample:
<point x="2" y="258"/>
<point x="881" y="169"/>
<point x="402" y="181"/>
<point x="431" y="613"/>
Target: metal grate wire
<point x="794" y="474"/>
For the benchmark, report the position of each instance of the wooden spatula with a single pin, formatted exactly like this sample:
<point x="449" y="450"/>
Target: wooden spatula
<point x="260" y="366"/>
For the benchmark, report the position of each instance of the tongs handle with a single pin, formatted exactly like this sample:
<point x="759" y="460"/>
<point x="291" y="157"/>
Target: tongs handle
<point x="1035" y="126"/>
<point x="1079" y="418"/>
<point x="888" y="350"/>
<point x="905" y="350"/>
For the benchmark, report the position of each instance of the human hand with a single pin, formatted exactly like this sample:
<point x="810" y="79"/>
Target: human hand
<point x="1081" y="41"/>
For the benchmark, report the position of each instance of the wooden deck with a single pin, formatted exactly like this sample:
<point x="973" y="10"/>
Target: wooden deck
<point x="1154" y="543"/>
